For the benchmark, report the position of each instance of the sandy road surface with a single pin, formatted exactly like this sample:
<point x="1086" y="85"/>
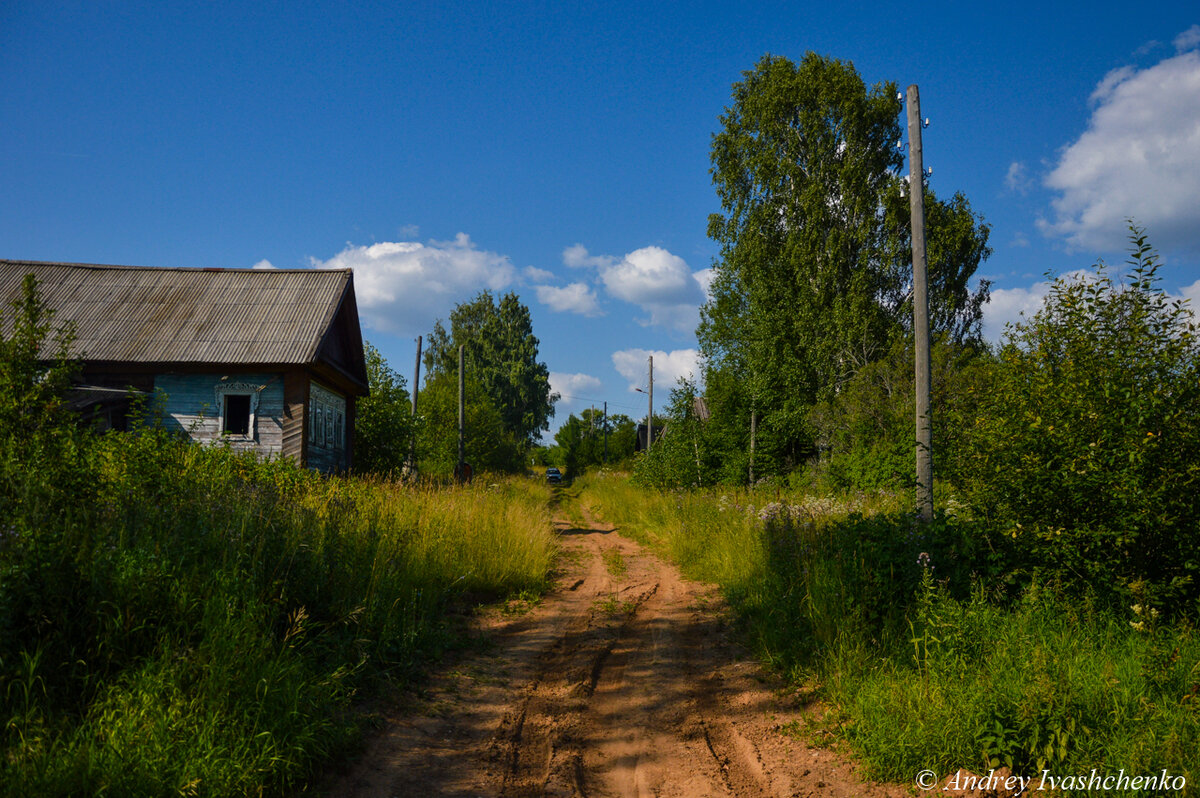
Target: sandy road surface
<point x="622" y="682"/>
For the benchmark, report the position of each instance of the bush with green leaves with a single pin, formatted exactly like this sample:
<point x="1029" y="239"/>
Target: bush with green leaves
<point x="383" y="422"/>
<point x="867" y="432"/>
<point x="1083" y="444"/>
<point x="681" y="455"/>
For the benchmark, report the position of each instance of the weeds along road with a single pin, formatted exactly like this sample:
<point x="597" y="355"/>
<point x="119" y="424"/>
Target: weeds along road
<point x="622" y="682"/>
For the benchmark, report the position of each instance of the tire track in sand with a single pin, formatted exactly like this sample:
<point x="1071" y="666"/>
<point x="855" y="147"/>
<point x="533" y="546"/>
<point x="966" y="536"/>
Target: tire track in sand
<point x="616" y="685"/>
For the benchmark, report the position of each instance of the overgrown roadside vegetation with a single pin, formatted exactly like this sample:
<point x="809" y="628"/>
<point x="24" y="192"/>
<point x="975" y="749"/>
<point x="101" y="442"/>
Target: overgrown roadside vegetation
<point x="1046" y="619"/>
<point x="925" y="665"/>
<point x="183" y="619"/>
<point x="179" y="619"/>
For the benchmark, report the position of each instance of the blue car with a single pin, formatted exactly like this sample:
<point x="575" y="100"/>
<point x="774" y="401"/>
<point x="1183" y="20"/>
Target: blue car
<point x="553" y="475"/>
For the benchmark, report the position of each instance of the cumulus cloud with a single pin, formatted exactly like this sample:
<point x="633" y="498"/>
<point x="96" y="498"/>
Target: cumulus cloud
<point x="403" y="287"/>
<point x="263" y="264"/>
<point x="1017" y="178"/>
<point x="1188" y="40"/>
<point x="1137" y="159"/>
<point x="573" y="298"/>
<point x="658" y="282"/>
<point x="633" y="365"/>
<point x="536" y="275"/>
<point x="574" y="389"/>
<point x="576" y="257"/>
<point x="1008" y="305"/>
<point x="1192" y="292"/>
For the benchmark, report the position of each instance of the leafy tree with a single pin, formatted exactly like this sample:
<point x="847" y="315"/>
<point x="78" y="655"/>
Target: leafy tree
<point x="580" y="441"/>
<point x="681" y="457"/>
<point x="813" y="278"/>
<point x="501" y="355"/>
<point x="1084" y="441"/>
<point x="866" y="433"/>
<point x="489" y="446"/>
<point x="383" y="424"/>
<point x="36" y="368"/>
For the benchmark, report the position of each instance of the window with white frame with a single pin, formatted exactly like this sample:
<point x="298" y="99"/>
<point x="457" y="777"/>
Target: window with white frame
<point x="238" y="404"/>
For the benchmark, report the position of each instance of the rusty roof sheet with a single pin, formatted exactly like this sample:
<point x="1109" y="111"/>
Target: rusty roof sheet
<point x="151" y="315"/>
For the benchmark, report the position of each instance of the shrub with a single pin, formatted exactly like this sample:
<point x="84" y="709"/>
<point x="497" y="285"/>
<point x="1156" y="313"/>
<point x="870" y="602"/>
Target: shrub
<point x="1085" y="446"/>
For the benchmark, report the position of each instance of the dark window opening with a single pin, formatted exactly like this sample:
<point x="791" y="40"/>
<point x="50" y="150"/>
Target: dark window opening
<point x="237" y="414"/>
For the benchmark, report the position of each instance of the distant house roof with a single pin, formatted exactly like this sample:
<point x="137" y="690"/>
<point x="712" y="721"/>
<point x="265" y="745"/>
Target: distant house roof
<point x="142" y="315"/>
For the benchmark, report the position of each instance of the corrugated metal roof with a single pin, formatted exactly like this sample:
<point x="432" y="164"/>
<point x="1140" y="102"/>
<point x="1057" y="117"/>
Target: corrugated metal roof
<point x="151" y="315"/>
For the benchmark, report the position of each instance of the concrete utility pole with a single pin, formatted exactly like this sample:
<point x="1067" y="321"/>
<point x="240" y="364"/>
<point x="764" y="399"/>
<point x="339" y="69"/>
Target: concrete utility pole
<point x="412" y="443"/>
<point x="462" y="416"/>
<point x="753" y="433"/>
<point x="916" y="193"/>
<point x="650" y="415"/>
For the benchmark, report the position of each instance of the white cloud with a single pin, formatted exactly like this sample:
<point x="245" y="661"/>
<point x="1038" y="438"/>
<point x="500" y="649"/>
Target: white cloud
<point x="576" y="257"/>
<point x="1017" y="178"/>
<point x="652" y="278"/>
<point x="263" y="264"/>
<point x="633" y="365"/>
<point x="1192" y="292"/>
<point x="536" y="275"/>
<point x="574" y="298"/>
<point x="1008" y="304"/>
<point x="1138" y="159"/>
<point x="1188" y="39"/>
<point x="574" y="389"/>
<point x="705" y="277"/>
<point x="403" y="287"/>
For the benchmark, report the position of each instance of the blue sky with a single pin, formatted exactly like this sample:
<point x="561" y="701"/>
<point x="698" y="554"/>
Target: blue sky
<point x="561" y="150"/>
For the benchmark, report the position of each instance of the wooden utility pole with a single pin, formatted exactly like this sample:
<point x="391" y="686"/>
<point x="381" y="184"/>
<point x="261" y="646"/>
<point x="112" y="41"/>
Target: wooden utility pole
<point x="412" y="443"/>
<point x="606" y="433"/>
<point x="462" y="417"/>
<point x="916" y="193"/>
<point x="650" y="414"/>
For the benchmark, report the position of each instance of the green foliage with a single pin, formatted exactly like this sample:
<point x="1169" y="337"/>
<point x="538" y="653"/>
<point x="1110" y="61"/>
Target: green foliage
<point x="579" y="442"/>
<point x="200" y="621"/>
<point x="181" y="619"/>
<point x="489" y="446"/>
<point x="681" y="457"/>
<point x="1083" y="442"/>
<point x="812" y="281"/>
<point x="909" y="632"/>
<point x="501" y="355"/>
<point x="35" y="366"/>
<point x="383" y="423"/>
<point x="867" y="433"/>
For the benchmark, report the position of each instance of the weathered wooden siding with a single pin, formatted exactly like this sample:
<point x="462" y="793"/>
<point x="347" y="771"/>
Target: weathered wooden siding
<point x="327" y="433"/>
<point x="295" y="404"/>
<point x="193" y="405"/>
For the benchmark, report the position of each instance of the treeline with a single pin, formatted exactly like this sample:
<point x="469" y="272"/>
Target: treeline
<point x="508" y="400"/>
<point x="1078" y="437"/>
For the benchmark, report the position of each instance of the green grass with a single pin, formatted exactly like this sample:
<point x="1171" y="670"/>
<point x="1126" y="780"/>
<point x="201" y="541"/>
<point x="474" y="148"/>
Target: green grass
<point x="615" y="563"/>
<point x="183" y="620"/>
<point x="930" y="655"/>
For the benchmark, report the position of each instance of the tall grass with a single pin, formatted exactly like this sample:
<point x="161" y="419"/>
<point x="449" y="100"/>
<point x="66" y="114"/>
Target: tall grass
<point x="930" y="653"/>
<point x="181" y="619"/>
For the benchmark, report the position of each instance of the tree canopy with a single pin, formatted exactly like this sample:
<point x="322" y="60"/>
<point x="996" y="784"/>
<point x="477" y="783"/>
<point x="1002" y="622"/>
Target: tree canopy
<point x="383" y="423"/>
<point x="813" y="279"/>
<point x="501" y="354"/>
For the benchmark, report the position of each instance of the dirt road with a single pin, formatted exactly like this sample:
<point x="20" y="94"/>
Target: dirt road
<point x="622" y="682"/>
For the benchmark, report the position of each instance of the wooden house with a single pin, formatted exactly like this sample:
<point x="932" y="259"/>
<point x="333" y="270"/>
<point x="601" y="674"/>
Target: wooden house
<point x="269" y="360"/>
